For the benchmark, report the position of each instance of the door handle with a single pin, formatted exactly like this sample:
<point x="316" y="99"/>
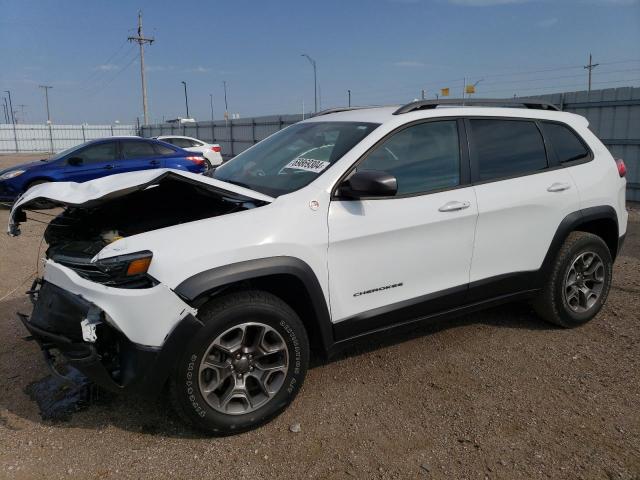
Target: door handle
<point x="109" y="166"/>
<point x="154" y="162"/>
<point x="558" y="187"/>
<point x="454" y="206"/>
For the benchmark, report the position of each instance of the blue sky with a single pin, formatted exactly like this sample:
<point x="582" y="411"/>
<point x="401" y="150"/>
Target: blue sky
<point x="385" y="51"/>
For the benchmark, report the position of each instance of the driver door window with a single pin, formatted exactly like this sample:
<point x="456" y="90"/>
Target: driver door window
<point x="423" y="158"/>
<point x="94" y="161"/>
<point x="104" y="152"/>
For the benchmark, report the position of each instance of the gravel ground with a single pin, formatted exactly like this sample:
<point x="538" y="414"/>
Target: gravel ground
<point x="497" y="394"/>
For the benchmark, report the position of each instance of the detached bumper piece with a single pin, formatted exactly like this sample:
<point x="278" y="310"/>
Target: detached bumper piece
<point x="110" y="360"/>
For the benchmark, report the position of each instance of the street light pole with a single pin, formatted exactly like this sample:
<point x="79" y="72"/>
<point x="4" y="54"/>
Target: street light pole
<point x="315" y="81"/>
<point x="13" y="118"/>
<point x="211" y="98"/>
<point x="349" y="92"/>
<point x="226" y="106"/>
<point x="46" y="97"/>
<point x="186" y="99"/>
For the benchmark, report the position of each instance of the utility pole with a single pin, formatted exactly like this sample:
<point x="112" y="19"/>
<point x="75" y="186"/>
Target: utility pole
<point x="211" y="98"/>
<point x="315" y="81"/>
<point x="349" y="93"/>
<point x="186" y="99"/>
<point x="23" y="116"/>
<point x="13" y="119"/>
<point x="226" y="106"/>
<point x="141" y="40"/>
<point x="46" y="97"/>
<point x="590" y="67"/>
<point x="423" y="94"/>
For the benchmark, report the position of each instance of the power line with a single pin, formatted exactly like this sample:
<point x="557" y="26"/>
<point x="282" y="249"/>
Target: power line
<point x="560" y="77"/>
<point x="97" y="71"/>
<point x="457" y="82"/>
<point x="564" y="86"/>
<point x="110" y="80"/>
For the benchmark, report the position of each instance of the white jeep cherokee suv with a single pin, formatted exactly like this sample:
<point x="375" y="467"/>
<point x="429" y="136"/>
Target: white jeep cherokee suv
<point x="350" y="223"/>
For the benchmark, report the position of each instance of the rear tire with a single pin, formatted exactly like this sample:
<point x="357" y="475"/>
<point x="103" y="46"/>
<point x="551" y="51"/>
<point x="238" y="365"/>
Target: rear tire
<point x="244" y="367"/>
<point x="578" y="283"/>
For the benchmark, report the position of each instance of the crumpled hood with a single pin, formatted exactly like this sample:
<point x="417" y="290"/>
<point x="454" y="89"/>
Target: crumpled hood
<point x="97" y="191"/>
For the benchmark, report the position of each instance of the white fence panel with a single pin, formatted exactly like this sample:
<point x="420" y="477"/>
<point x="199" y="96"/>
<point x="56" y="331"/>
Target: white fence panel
<point x="54" y="138"/>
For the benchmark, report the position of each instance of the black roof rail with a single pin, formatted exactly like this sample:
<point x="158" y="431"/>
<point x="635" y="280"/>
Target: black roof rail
<point x="476" y="102"/>
<point x="337" y="110"/>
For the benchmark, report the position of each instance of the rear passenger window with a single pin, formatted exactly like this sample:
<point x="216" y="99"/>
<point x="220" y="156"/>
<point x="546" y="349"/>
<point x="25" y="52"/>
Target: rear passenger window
<point x="134" y="149"/>
<point x="505" y="148"/>
<point x="423" y="158"/>
<point x="566" y="144"/>
<point x="162" y="150"/>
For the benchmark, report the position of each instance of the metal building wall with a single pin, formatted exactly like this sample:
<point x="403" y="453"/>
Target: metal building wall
<point x="614" y="116"/>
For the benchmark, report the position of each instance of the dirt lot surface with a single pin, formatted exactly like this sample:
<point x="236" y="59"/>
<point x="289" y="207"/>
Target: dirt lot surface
<point x="497" y="394"/>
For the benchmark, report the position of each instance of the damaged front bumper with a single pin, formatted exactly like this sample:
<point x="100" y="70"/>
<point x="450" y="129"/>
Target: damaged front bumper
<point x="91" y="336"/>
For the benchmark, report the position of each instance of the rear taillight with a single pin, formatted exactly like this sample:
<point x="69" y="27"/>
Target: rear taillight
<point x="216" y="148"/>
<point x="622" y="168"/>
<point x="196" y="160"/>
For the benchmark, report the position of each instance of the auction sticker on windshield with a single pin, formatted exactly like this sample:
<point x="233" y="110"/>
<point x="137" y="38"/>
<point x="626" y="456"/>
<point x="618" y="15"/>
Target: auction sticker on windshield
<point x="307" y="164"/>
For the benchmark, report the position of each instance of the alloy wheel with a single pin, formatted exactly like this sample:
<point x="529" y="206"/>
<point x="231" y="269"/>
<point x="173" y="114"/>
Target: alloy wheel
<point x="243" y="368"/>
<point x="584" y="282"/>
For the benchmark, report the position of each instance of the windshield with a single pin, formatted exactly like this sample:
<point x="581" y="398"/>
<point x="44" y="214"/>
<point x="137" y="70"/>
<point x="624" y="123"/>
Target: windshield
<point x="63" y="153"/>
<point x="293" y="157"/>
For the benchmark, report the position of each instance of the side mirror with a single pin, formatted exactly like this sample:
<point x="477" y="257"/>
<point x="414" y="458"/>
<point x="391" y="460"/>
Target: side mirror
<point x="75" y="161"/>
<point x="369" y="183"/>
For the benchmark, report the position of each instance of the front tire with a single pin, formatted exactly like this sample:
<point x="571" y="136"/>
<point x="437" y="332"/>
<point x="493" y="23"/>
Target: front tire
<point x="244" y="367"/>
<point x="579" y="282"/>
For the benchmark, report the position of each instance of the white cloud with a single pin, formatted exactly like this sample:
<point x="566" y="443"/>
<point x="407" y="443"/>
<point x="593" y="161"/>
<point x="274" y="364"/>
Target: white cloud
<point x="199" y="69"/>
<point x="159" y="68"/>
<point x="547" y="22"/>
<point x="409" y="64"/>
<point x="107" y="67"/>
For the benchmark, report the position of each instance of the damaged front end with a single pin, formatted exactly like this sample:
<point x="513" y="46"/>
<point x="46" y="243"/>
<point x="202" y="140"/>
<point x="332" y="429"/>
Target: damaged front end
<point x="109" y="317"/>
<point x="67" y="324"/>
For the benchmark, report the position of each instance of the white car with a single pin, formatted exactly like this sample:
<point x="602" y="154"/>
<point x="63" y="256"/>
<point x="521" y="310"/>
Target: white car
<point x="211" y="151"/>
<point x="345" y="225"/>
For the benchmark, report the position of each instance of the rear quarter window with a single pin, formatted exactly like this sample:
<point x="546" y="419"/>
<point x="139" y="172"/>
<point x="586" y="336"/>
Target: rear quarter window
<point x="565" y="142"/>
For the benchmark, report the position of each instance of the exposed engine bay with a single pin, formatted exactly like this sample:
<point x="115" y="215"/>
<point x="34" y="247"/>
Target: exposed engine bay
<point x="81" y="231"/>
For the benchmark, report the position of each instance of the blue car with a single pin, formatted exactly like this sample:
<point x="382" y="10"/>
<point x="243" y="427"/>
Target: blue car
<point x="98" y="158"/>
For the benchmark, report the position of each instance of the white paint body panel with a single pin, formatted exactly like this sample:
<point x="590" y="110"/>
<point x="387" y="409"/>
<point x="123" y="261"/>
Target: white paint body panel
<point x="599" y="182"/>
<point x="73" y="193"/>
<point x="517" y="219"/>
<point x="376" y="243"/>
<point x="146" y="316"/>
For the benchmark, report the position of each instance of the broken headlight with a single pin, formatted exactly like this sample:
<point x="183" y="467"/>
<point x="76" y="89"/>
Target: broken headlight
<point x="123" y="271"/>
